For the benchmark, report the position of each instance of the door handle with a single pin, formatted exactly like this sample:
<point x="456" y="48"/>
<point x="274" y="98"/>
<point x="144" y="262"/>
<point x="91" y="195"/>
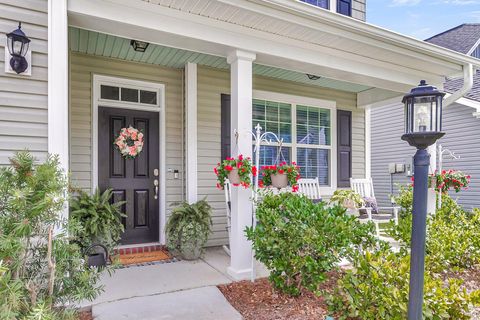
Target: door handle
<point x="155" y="183"/>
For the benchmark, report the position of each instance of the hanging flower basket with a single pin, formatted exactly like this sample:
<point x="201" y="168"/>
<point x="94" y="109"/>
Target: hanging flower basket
<point x="280" y="176"/>
<point x="237" y="171"/>
<point x="448" y="180"/>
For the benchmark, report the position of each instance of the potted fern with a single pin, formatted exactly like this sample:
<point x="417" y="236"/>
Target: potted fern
<point x="188" y="228"/>
<point x="99" y="220"/>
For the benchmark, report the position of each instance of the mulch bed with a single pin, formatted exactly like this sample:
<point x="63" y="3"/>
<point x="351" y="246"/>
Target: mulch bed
<point x="85" y="315"/>
<point x="259" y="301"/>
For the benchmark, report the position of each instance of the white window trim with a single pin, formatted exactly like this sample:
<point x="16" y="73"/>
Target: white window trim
<point x="311" y="102"/>
<point x="99" y="80"/>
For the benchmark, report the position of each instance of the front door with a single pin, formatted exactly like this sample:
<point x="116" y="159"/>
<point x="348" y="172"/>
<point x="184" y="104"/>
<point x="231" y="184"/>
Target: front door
<point x="133" y="180"/>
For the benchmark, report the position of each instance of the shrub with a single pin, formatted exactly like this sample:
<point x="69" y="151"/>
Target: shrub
<point x="188" y="228"/>
<point x="452" y="233"/>
<point x="300" y="241"/>
<point x="41" y="271"/>
<point x="343" y="197"/>
<point x="99" y="219"/>
<point x="378" y="285"/>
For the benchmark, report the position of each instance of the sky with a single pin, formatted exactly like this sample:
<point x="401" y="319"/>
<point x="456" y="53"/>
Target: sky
<point x="422" y="19"/>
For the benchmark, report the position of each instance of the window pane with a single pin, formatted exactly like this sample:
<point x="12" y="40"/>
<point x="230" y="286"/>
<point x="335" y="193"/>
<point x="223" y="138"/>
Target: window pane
<point x="148" y="97"/>
<point x="109" y="92"/>
<point x="278" y="118"/>
<point x="318" y="3"/>
<point x="130" y="95"/>
<point x="285" y="113"/>
<point x="314" y="163"/>
<point x="285" y="132"/>
<point x="272" y="111"/>
<point x="313" y="125"/>
<point x="258" y="110"/>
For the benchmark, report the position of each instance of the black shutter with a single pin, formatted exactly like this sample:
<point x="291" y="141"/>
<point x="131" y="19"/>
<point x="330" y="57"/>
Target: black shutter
<point x="225" y="126"/>
<point x="344" y="150"/>
<point x="344" y="7"/>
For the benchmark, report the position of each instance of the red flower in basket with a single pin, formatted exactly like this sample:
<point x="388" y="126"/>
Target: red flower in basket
<point x="282" y="175"/>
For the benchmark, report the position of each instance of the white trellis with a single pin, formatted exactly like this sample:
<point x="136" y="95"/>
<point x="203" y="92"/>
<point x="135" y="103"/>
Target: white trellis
<point x="441" y="152"/>
<point x="259" y="138"/>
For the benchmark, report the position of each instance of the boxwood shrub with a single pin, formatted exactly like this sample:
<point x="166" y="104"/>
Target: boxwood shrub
<point x="299" y="241"/>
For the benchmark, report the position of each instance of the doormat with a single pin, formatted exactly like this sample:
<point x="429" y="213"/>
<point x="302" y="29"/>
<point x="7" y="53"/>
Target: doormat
<point x="144" y="258"/>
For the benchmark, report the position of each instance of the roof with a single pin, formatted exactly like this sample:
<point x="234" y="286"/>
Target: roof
<point x="461" y="38"/>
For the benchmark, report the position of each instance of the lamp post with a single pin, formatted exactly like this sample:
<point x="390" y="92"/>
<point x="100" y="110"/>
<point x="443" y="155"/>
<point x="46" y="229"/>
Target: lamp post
<point x="423" y="126"/>
<point x="17" y="43"/>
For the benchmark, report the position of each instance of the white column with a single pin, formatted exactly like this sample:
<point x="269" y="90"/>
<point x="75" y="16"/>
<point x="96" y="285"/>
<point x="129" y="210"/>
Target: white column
<point x="191" y="129"/>
<point x="58" y="83"/>
<point x="241" y="119"/>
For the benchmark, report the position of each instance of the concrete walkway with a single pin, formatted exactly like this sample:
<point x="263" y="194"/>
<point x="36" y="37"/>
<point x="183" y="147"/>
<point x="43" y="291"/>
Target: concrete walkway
<point x="178" y="290"/>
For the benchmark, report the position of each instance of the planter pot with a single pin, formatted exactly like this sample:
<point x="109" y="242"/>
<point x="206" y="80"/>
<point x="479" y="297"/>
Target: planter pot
<point x="279" y="180"/>
<point x="191" y="252"/>
<point x="234" y="177"/>
<point x="349" y="204"/>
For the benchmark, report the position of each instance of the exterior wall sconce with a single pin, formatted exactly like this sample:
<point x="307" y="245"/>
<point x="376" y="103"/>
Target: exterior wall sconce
<point x="139" y="46"/>
<point x="423" y="127"/>
<point x="312" y="76"/>
<point x="18" y="43"/>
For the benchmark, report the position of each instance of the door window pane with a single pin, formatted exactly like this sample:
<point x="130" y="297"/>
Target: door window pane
<point x="148" y="97"/>
<point x="129" y="95"/>
<point x="109" y="92"/>
<point x="314" y="163"/>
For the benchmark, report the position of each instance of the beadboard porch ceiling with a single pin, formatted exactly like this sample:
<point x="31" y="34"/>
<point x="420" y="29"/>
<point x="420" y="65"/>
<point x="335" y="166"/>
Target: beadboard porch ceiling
<point x="100" y="44"/>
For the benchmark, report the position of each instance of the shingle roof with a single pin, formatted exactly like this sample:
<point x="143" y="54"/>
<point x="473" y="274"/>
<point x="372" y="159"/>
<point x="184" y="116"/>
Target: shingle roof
<point x="462" y="39"/>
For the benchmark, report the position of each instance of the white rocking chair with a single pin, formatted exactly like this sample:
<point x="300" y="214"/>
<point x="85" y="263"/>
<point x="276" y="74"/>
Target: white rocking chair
<point x="310" y="188"/>
<point x="364" y="187"/>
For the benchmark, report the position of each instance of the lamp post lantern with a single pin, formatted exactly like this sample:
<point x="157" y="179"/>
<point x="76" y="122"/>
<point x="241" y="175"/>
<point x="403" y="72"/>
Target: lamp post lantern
<point x="423" y="126"/>
<point x="18" y="43"/>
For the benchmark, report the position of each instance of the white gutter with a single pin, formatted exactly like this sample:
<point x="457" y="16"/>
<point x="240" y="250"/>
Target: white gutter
<point x="468" y="73"/>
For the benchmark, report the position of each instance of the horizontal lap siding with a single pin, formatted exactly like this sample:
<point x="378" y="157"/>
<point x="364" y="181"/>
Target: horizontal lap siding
<point x="82" y="68"/>
<point x="359" y="9"/>
<point x="23" y="99"/>
<point x="462" y="137"/>
<point x="211" y="84"/>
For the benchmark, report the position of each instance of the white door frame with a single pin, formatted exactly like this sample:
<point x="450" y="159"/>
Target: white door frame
<point x="160" y="108"/>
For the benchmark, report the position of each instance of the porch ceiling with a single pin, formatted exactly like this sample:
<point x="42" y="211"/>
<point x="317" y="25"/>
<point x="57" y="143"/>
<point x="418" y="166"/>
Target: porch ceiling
<point x="100" y="44"/>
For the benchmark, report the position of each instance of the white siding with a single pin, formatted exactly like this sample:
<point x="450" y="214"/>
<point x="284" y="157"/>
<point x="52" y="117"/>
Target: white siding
<point x="23" y="99"/>
<point x="82" y="68"/>
<point x="211" y="84"/>
<point x="462" y="137"/>
<point x="359" y="10"/>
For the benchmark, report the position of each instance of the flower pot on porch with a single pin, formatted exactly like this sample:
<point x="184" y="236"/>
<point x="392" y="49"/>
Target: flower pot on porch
<point x="234" y="177"/>
<point x="279" y="180"/>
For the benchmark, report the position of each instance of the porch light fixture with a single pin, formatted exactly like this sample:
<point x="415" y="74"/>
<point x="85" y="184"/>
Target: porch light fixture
<point x="312" y="76"/>
<point x="423" y="127"/>
<point x="18" y="43"/>
<point x="139" y="46"/>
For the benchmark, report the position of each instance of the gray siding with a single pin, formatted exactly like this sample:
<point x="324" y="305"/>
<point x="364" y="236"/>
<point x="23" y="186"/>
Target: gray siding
<point x="23" y="99"/>
<point x="462" y="137"/>
<point x="359" y="9"/>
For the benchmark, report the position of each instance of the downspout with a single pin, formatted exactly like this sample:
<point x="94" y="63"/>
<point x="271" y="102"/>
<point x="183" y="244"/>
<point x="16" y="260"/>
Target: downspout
<point x="467" y="85"/>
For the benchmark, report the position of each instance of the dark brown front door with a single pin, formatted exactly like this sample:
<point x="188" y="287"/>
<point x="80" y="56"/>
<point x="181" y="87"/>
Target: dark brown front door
<point x="131" y="179"/>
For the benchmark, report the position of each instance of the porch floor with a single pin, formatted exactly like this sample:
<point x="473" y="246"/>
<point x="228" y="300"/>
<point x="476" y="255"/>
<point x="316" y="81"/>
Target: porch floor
<point x="169" y="290"/>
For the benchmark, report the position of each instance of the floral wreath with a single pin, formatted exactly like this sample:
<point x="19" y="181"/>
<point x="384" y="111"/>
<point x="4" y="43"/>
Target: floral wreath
<point x="129" y="142"/>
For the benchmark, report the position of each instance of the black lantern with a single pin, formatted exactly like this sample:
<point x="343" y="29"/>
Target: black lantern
<point x="17" y="43"/>
<point x="423" y="115"/>
<point x="139" y="46"/>
<point x="423" y="126"/>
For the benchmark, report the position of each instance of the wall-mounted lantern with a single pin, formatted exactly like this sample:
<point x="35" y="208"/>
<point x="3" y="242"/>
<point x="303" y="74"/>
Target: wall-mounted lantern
<point x="18" y="43"/>
<point x="139" y="46"/>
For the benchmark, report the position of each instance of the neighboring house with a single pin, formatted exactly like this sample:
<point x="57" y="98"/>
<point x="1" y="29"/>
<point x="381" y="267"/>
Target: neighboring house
<point x="461" y="123"/>
<point x="200" y="70"/>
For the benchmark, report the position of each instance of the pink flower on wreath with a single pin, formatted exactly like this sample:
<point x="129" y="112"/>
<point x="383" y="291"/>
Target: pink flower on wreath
<point x="133" y="134"/>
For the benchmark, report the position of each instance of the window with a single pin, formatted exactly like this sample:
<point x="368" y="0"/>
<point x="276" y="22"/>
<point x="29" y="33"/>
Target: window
<point x="476" y="52"/>
<point x="318" y="3"/>
<point x="306" y="132"/>
<point x="133" y="95"/>
<point x="344" y="7"/>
